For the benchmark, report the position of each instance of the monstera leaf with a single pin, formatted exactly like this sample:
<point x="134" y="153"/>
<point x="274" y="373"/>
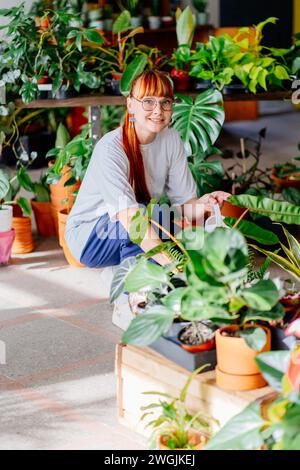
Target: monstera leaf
<point x="199" y="122"/>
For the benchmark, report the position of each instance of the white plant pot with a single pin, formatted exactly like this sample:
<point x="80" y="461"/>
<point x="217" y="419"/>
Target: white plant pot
<point x="202" y="18"/>
<point x="136" y="21"/>
<point x="154" y="22"/>
<point x="6" y="215"/>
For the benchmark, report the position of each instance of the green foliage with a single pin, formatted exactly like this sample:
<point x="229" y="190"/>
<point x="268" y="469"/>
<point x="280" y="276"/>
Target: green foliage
<point x="185" y="27"/>
<point x="199" y="122"/>
<point x="175" y="421"/>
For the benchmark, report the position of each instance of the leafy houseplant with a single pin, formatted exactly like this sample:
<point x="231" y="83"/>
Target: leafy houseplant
<point x="55" y="52"/>
<point x="176" y="427"/>
<point x="274" y="423"/>
<point x="287" y="175"/>
<point x="185" y="28"/>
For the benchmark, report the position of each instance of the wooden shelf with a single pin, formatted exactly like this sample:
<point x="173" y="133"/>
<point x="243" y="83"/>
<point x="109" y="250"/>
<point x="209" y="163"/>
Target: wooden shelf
<point x="99" y="100"/>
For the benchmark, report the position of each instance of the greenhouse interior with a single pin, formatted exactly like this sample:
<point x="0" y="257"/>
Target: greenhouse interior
<point x="149" y="217"/>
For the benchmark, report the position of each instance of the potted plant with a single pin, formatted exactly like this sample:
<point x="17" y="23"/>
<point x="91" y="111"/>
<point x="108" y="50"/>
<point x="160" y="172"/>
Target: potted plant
<point x="115" y="59"/>
<point x="197" y="337"/>
<point x="176" y="428"/>
<point x="7" y="233"/>
<point x="287" y="175"/>
<point x="273" y="422"/>
<point x="185" y="28"/>
<point x="134" y="8"/>
<point x="154" y="19"/>
<point x="202" y="15"/>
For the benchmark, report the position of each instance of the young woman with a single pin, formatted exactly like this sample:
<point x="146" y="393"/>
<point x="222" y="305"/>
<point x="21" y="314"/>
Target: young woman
<point x="130" y="165"/>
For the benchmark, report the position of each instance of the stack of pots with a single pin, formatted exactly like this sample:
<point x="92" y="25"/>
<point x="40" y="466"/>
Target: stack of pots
<point x="61" y="196"/>
<point x="62" y="221"/>
<point x="43" y="217"/>
<point x="23" y="235"/>
<point x="7" y="234"/>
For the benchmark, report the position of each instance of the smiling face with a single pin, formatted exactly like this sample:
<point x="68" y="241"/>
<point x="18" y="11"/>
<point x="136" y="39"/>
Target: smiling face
<point x="151" y="103"/>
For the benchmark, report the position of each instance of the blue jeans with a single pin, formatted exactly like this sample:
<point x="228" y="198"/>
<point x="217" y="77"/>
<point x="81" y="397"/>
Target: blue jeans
<point x="109" y="243"/>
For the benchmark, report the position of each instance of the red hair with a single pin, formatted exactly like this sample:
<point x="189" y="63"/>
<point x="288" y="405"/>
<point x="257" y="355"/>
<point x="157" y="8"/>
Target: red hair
<point x="149" y="83"/>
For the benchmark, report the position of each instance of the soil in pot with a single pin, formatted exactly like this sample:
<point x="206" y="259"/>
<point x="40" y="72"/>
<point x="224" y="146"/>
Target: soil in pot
<point x="197" y="337"/>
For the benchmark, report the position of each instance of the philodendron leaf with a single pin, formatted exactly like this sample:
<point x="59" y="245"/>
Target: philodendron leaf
<point x="253" y="231"/>
<point x="242" y="432"/>
<point x="145" y="275"/>
<point x="273" y="365"/>
<point x="135" y="68"/>
<point x="118" y="282"/>
<point x="25" y="205"/>
<point x="173" y="299"/>
<point x="149" y="326"/>
<point x="255" y="338"/>
<point x="261" y="296"/>
<point x="122" y="23"/>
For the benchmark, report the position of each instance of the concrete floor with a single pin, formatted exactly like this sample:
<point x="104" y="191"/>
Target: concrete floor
<point x="57" y="387"/>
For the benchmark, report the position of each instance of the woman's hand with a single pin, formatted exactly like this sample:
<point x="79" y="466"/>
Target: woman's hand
<point x="216" y="197"/>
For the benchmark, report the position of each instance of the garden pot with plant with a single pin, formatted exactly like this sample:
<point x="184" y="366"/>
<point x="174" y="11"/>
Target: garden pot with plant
<point x="202" y="15"/>
<point x="185" y="28"/>
<point x="154" y="19"/>
<point x="177" y="428"/>
<point x="197" y="337"/>
<point x="134" y="8"/>
<point x="23" y="242"/>
<point x="286" y="175"/>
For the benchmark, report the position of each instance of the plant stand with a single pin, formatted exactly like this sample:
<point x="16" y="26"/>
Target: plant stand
<point x="141" y="369"/>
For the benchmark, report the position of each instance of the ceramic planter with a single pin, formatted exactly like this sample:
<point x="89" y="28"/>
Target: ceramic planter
<point x="199" y="84"/>
<point x="236" y="367"/>
<point x="113" y="84"/>
<point x="230" y="210"/>
<point x="196" y="439"/>
<point x="207" y="345"/>
<point x="154" y="22"/>
<point x="202" y="17"/>
<point x="167" y="21"/>
<point x="6" y="242"/>
<point x="62" y="221"/>
<point x="6" y="215"/>
<point x="181" y="79"/>
<point x="136" y="21"/>
<point x="23" y="235"/>
<point x="234" y="89"/>
<point x="43" y="217"/>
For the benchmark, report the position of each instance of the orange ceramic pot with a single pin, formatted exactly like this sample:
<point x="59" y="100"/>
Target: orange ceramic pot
<point x="196" y="439"/>
<point x="230" y="210"/>
<point x="62" y="220"/>
<point x="208" y="346"/>
<point x="236" y="366"/>
<point x="23" y="242"/>
<point x="43" y="218"/>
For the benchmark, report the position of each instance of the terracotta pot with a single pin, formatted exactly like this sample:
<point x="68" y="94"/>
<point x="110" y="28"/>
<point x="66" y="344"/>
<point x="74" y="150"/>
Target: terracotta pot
<point x="286" y="182"/>
<point x="208" y="346"/>
<point x="61" y="196"/>
<point x="236" y="366"/>
<point x="43" y="217"/>
<point x="62" y="221"/>
<point x="196" y="439"/>
<point x="23" y="235"/>
<point x="6" y="241"/>
<point x="230" y="210"/>
<point x="181" y="79"/>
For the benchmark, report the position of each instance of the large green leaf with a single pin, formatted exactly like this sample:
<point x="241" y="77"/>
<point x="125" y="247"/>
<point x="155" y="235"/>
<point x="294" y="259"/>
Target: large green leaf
<point x="199" y="122"/>
<point x="24" y="180"/>
<point x="255" y="338"/>
<point x="261" y="296"/>
<point x="282" y="262"/>
<point x="25" y="205"/>
<point x="253" y="231"/>
<point x="135" y="68"/>
<point x="242" y="432"/>
<point x="118" y="282"/>
<point x="145" y="275"/>
<point x="173" y="299"/>
<point x="294" y="247"/>
<point x="62" y="136"/>
<point x="149" y="326"/>
<point x="122" y="23"/>
<point x="273" y="365"/>
<point x="278" y="211"/>
<point x="185" y="27"/>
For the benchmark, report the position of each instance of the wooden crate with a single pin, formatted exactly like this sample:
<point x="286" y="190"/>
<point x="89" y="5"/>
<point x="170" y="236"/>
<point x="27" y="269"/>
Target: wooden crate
<point x="141" y="369"/>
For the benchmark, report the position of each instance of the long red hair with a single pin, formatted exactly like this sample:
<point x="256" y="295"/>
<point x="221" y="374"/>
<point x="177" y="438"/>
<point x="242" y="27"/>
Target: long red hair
<point x="149" y="83"/>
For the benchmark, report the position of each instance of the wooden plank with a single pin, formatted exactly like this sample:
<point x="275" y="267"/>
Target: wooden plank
<point x="99" y="100"/>
<point x="141" y="369"/>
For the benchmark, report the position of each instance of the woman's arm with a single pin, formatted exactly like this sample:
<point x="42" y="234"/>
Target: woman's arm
<point x="150" y="240"/>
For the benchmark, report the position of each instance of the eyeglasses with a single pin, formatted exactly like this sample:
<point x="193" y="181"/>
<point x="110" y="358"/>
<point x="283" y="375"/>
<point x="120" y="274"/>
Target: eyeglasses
<point x="149" y="104"/>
